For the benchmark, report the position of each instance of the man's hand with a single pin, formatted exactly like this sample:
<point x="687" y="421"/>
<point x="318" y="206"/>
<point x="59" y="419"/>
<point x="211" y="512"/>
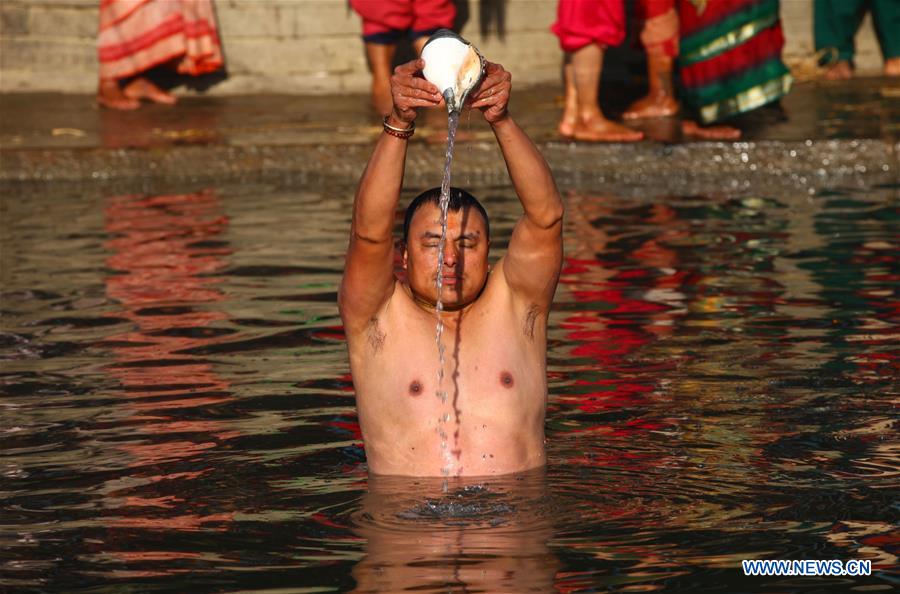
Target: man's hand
<point x="492" y="96"/>
<point x="410" y="92"/>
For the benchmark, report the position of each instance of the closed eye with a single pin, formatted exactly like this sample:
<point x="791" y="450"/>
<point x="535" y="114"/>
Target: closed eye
<point x="469" y="240"/>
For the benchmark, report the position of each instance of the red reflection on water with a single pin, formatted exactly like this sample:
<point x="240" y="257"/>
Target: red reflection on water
<point x="614" y="320"/>
<point x="166" y="253"/>
<point x="165" y="247"/>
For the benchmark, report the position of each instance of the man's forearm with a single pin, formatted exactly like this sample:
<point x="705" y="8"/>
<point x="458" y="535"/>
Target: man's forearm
<point x="379" y="190"/>
<point x="530" y="174"/>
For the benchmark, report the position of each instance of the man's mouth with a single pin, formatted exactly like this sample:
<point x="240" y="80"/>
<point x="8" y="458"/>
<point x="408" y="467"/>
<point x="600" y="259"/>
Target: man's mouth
<point x="449" y="279"/>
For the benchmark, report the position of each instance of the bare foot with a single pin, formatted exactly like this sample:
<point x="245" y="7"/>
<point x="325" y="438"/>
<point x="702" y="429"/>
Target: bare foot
<point x="599" y="129"/>
<point x="110" y="95"/>
<point x="566" y="126"/>
<point x="839" y="71"/>
<point x="655" y="105"/>
<point x="569" y="119"/>
<point x="141" y="88"/>
<point x="690" y="128"/>
<point x="892" y="67"/>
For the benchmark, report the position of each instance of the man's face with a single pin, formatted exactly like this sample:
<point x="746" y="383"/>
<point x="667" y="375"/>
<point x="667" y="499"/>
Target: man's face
<point x="465" y="255"/>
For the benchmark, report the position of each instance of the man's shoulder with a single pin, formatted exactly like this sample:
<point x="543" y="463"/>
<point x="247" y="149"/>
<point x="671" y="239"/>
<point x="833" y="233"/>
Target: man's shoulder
<point x="497" y="287"/>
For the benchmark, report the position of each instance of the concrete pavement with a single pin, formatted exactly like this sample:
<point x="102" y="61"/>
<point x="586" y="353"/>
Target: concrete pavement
<point x="824" y="133"/>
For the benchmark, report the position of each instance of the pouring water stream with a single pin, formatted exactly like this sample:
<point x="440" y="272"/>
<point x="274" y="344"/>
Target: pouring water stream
<point x="455" y="67"/>
<point x="452" y="124"/>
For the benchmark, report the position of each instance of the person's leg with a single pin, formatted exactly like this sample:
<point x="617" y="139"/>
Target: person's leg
<point x="834" y="25"/>
<point x="583" y="29"/>
<point x="428" y="17"/>
<point x="886" y="15"/>
<point x="659" y="35"/>
<point x="592" y="125"/>
<point x="435" y="119"/>
<point x="109" y="93"/>
<point x="384" y="22"/>
<point x="659" y="102"/>
<point x="380" y="57"/>
<point x="570" y="106"/>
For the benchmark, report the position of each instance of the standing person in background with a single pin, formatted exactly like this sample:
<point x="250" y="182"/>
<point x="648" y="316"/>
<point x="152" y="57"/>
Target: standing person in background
<point x="585" y="28"/>
<point x="836" y="23"/>
<point x="659" y="36"/>
<point x="729" y="58"/>
<point x="138" y="35"/>
<point x="385" y="22"/>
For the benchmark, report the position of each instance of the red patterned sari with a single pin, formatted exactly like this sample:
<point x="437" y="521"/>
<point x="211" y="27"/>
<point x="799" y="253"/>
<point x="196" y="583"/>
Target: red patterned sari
<point x="730" y="58"/>
<point x="729" y="52"/>
<point x="136" y="35"/>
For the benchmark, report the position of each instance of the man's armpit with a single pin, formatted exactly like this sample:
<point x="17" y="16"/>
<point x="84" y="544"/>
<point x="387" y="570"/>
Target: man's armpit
<point x="374" y="334"/>
<point x="531" y="316"/>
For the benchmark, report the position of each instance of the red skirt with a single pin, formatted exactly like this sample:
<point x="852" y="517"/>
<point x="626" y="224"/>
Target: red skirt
<point x="583" y="22"/>
<point x="386" y="20"/>
<point x="136" y="35"/>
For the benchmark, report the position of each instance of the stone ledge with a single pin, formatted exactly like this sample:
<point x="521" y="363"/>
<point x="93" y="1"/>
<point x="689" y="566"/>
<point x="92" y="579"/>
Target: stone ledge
<point x="739" y="167"/>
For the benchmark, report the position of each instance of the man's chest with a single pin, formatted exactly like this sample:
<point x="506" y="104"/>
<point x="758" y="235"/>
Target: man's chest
<point x="480" y="359"/>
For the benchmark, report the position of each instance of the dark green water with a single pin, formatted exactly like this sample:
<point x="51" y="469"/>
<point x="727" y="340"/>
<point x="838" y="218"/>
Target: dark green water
<point x="177" y="414"/>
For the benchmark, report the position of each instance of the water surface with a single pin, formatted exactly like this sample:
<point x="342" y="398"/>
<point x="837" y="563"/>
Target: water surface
<point x="177" y="411"/>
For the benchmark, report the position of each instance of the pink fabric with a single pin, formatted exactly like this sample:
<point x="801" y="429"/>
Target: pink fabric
<point x="136" y="35"/>
<point x="582" y="22"/>
<point x="383" y="16"/>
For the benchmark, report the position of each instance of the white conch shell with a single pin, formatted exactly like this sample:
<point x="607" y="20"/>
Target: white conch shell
<point x="453" y="65"/>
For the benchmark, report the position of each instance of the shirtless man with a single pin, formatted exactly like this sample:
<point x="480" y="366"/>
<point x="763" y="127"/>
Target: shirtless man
<point x="490" y="419"/>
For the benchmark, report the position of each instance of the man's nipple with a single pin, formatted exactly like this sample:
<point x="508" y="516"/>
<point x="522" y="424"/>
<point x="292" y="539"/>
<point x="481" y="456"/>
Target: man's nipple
<point x="415" y="388"/>
<point x="506" y="380"/>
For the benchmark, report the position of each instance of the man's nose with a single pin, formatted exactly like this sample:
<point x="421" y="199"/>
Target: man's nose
<point x="451" y="254"/>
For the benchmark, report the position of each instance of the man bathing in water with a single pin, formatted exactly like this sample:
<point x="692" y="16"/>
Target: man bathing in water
<point x="495" y="320"/>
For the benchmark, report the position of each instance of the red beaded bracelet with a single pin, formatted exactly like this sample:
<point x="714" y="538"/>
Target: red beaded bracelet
<point x="402" y="133"/>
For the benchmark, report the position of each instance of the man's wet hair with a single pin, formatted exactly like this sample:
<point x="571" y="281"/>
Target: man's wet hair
<point x="459" y="199"/>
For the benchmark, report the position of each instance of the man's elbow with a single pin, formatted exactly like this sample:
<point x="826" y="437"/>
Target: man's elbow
<point x="549" y="217"/>
<point x="371" y="238"/>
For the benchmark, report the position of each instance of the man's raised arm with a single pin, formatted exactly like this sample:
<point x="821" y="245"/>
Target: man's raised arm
<point x="533" y="261"/>
<point x="368" y="273"/>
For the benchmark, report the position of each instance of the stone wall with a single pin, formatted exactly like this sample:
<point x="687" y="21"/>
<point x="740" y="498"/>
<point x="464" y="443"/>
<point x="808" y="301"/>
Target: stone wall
<point x="305" y="46"/>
